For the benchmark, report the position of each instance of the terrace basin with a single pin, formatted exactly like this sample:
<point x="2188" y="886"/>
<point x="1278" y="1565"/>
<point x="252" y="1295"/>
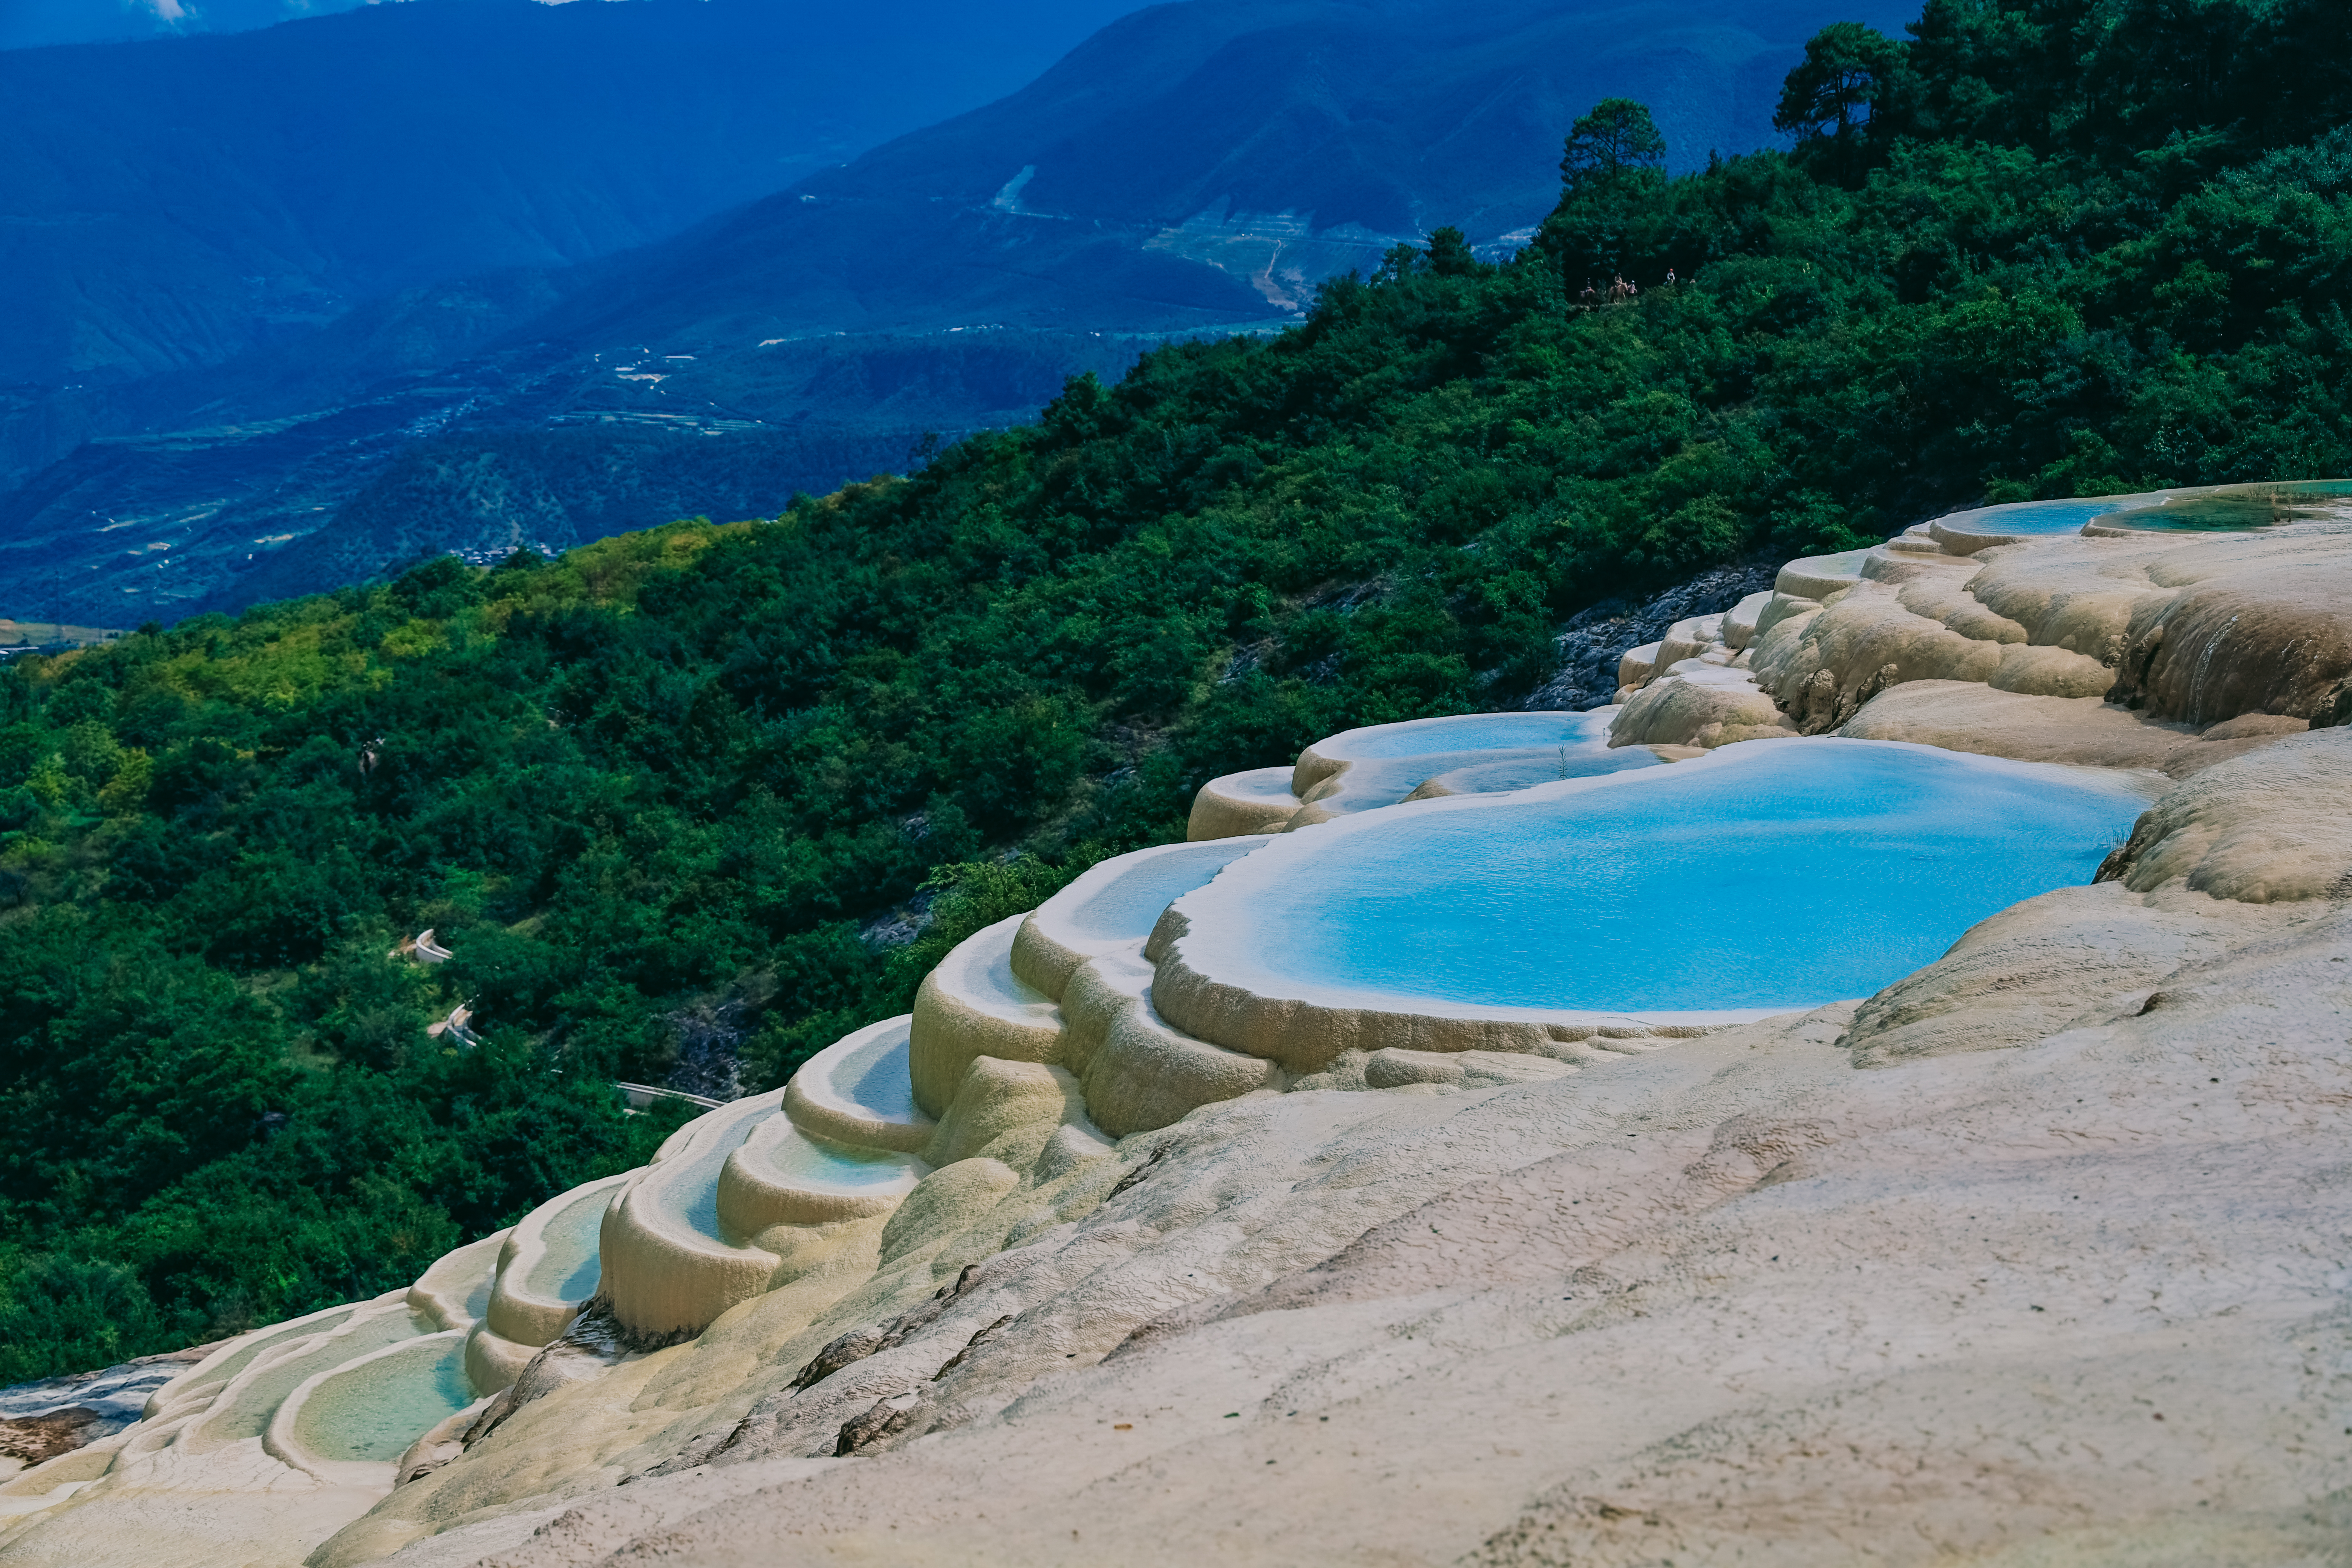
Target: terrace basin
<point x="2207" y="509"/>
<point x="351" y="1424"/>
<point x="1767" y="876"/>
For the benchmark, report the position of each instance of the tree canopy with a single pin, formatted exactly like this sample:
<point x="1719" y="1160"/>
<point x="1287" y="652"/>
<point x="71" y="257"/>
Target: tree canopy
<point x="1616" y="139"/>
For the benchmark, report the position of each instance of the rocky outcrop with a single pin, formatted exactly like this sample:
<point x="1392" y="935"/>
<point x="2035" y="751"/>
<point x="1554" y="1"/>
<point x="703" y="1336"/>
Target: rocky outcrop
<point x="1593" y="643"/>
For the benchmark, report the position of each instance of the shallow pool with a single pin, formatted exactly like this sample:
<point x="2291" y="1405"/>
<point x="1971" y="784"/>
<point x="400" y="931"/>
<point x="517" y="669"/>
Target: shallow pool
<point x="2235" y="509"/>
<point x="2218" y="509"/>
<point x="247" y="1412"/>
<point x="1777" y="874"/>
<point x="567" y="1268"/>
<point x="876" y="1080"/>
<point x="1481" y="732"/>
<point x="817" y="1162"/>
<point x="2045" y="516"/>
<point x="375" y="1410"/>
<point x="1524" y="770"/>
<point x="695" y="1189"/>
<point x="1125" y="905"/>
<point x="268" y="1341"/>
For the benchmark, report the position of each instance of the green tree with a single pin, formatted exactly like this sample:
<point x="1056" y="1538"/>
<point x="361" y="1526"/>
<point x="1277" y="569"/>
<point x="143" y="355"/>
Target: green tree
<point x="1829" y="101"/>
<point x="1617" y="138"/>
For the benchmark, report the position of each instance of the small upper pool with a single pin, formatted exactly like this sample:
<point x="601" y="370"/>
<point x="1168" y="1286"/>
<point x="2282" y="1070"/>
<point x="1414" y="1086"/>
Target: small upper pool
<point x="1468" y="732"/>
<point x="1773" y="875"/>
<point x="826" y="1166"/>
<point x="2046" y="517"/>
<point x="2233" y="509"/>
<point x="2210" y="509"/>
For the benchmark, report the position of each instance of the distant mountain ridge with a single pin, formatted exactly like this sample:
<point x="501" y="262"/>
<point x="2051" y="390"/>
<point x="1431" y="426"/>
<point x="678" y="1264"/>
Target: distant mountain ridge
<point x="1361" y="122"/>
<point x="173" y="204"/>
<point x="1191" y="168"/>
<point x="36" y="24"/>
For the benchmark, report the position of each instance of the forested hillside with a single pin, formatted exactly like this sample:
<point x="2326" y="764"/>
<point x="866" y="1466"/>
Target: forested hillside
<point x="680" y="786"/>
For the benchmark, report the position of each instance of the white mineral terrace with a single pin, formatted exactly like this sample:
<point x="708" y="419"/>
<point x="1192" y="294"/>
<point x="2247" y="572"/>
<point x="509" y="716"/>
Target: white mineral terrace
<point x="1902" y="762"/>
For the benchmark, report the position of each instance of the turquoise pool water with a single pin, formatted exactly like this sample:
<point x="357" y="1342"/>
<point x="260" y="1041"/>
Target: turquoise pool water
<point x="477" y="1300"/>
<point x="1844" y="563"/>
<point x="878" y="1080"/>
<point x="696" y="1188"/>
<point x="568" y="1269"/>
<point x="2227" y="509"/>
<point x="1486" y="733"/>
<point x="2046" y="517"/>
<point x="1126" y="906"/>
<point x="835" y="1165"/>
<point x="274" y="1340"/>
<point x="1782" y="874"/>
<point x="2243" y="507"/>
<point x="248" y="1411"/>
<point x="374" y="1411"/>
<point x="1526" y="769"/>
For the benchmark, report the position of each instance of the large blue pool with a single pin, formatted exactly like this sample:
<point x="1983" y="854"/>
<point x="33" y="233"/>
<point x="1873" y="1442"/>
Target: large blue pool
<point x="1779" y="874"/>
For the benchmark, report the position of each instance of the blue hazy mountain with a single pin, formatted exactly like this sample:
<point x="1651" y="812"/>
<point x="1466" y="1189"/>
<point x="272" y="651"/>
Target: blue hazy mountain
<point x="1192" y="167"/>
<point x="28" y="24"/>
<point x="1211" y="160"/>
<point x="178" y="202"/>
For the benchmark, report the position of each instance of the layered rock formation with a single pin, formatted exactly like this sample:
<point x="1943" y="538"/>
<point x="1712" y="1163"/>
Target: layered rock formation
<point x="2040" y="1255"/>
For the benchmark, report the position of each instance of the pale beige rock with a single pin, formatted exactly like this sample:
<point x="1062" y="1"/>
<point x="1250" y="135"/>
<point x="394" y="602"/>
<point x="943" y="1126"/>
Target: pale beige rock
<point x="972" y="1005"/>
<point x="1799" y="1307"/>
<point x="1740" y="621"/>
<point x="1637" y="664"/>
<point x="2269" y="828"/>
<point x="1004" y="1109"/>
<point x="1707" y="706"/>
<point x="1139" y="1071"/>
<point x="2198" y="630"/>
<point x="2034" y="969"/>
<point x="1239" y="805"/>
<point x="2049" y="672"/>
<point x="1960" y="716"/>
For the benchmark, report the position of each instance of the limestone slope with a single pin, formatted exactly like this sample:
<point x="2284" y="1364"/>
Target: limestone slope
<point x="2080" y="1303"/>
<point x="2040" y="1255"/>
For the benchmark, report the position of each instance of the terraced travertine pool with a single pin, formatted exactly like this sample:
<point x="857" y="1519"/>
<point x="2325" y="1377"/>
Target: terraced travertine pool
<point x="2218" y="509"/>
<point x="374" y="1411"/>
<point x="837" y="1167"/>
<point x="247" y="1412"/>
<point x="1774" y="875"/>
<point x="567" y="1270"/>
<point x="875" y="1079"/>
<point x="1482" y="732"/>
